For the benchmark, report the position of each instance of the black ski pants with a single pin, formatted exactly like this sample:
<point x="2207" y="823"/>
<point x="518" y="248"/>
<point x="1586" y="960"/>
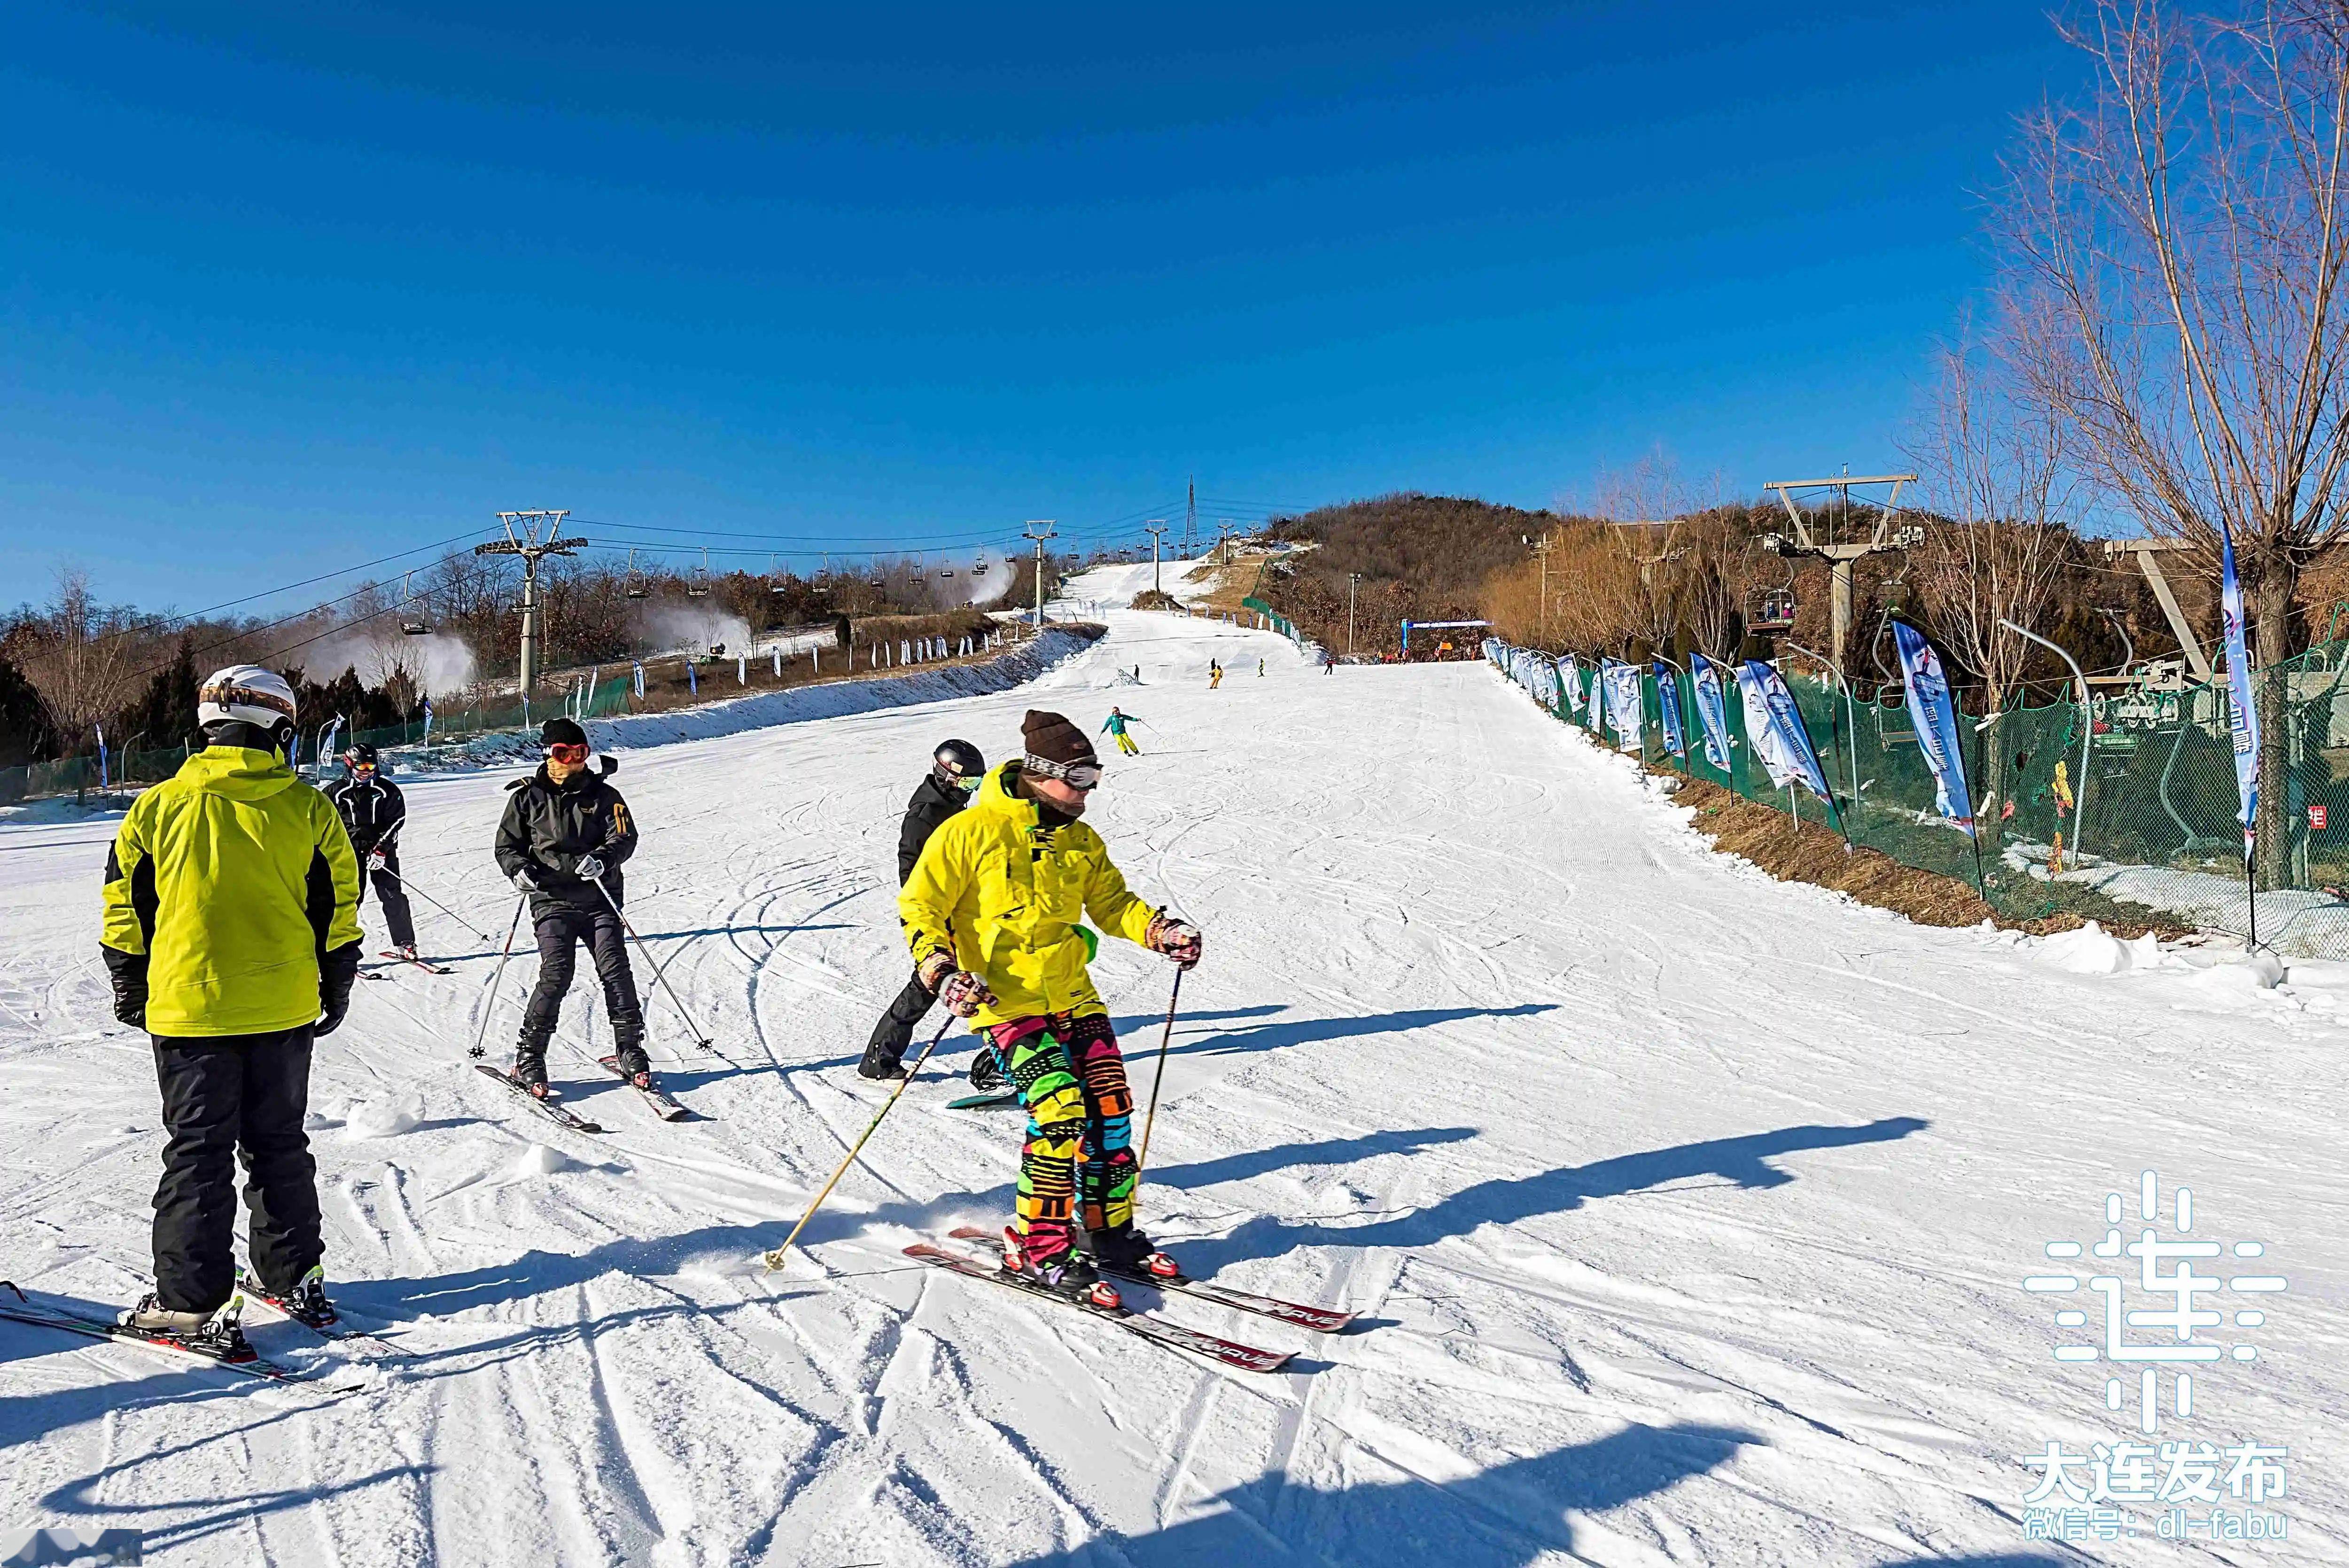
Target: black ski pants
<point x="228" y="1097"/>
<point x="894" y="1032"/>
<point x="559" y="930"/>
<point x="389" y="888"/>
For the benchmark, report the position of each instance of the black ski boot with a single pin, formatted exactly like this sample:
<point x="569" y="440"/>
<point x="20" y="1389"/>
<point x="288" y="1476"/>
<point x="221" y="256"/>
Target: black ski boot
<point x="1069" y="1274"/>
<point x="633" y="1065"/>
<point x="216" y="1334"/>
<point x="880" y="1064"/>
<point x="1125" y="1249"/>
<point x="987" y="1072"/>
<point x="530" y="1071"/>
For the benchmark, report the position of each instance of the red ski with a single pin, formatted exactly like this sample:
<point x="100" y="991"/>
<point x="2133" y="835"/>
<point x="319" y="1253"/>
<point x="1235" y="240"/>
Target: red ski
<point x="1173" y="1336"/>
<point x="1319" y="1319"/>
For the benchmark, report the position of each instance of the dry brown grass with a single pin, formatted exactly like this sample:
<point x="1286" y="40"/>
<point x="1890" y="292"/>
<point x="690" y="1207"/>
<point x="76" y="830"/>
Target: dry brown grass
<point x="1816" y="853"/>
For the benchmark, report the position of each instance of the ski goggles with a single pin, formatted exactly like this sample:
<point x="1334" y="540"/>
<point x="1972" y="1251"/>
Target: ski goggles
<point x="566" y="753"/>
<point x="358" y="769"/>
<point x="1075" y="775"/>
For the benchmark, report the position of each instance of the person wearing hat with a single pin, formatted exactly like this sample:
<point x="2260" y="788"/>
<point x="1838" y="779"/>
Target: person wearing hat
<point x="231" y="937"/>
<point x="956" y="770"/>
<point x="564" y="838"/>
<point x="373" y="812"/>
<point x="992" y="914"/>
<point x="1118" y="719"/>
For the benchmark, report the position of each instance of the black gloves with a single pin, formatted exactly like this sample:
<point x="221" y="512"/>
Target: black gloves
<point x="128" y="972"/>
<point x="337" y="975"/>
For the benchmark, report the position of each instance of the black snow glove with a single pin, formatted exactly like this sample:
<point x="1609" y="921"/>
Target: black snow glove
<point x="128" y="971"/>
<point x="336" y="975"/>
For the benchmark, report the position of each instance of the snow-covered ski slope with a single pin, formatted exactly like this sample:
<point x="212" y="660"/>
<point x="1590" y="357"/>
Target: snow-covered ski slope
<point x="1686" y="1212"/>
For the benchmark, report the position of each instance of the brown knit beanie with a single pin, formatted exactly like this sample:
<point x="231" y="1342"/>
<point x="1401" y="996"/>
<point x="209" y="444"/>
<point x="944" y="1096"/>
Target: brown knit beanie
<point x="1055" y="740"/>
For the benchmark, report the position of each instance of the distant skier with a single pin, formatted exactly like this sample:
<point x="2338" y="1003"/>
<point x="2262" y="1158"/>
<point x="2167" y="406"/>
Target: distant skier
<point x="992" y="916"/>
<point x="1215" y="675"/>
<point x="373" y="811"/>
<point x="232" y="935"/>
<point x="564" y="838"/>
<point x="957" y="771"/>
<point x="1260" y="667"/>
<point x="1118" y="720"/>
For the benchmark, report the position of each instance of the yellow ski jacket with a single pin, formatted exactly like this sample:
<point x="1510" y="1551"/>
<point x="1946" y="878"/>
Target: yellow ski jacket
<point x="1004" y="894"/>
<point x="233" y="879"/>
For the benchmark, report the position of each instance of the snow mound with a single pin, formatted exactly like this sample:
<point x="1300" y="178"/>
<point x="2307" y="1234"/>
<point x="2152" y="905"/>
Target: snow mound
<point x="2254" y="972"/>
<point x="383" y="1117"/>
<point x="2092" y="950"/>
<point x="539" y="1159"/>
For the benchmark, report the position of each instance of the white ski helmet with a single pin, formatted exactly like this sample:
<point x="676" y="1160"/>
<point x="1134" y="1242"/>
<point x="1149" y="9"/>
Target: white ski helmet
<point x="245" y="694"/>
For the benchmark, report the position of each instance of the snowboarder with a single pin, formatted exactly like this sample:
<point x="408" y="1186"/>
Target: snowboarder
<point x="956" y="770"/>
<point x="561" y="841"/>
<point x="373" y="811"/>
<point x="992" y="915"/>
<point x="1118" y="720"/>
<point x="231" y="936"/>
<point x="1215" y="675"/>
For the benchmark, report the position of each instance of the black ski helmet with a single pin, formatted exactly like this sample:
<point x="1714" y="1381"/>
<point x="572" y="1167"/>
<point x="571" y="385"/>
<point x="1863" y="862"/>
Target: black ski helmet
<point x="360" y="751"/>
<point x="957" y="765"/>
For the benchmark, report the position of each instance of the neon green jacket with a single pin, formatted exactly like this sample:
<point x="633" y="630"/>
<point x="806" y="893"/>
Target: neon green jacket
<point x="234" y="878"/>
<point x="1005" y="894"/>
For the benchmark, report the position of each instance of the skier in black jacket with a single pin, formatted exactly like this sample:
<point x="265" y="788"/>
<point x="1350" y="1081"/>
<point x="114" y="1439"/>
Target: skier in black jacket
<point x="561" y="841"/>
<point x="373" y="811"/>
<point x="956" y="769"/>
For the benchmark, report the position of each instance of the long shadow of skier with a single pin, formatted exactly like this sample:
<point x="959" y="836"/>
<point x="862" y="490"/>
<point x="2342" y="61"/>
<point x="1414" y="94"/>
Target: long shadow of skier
<point x="1313" y="1031"/>
<point x="960" y="1040"/>
<point x="1743" y="1160"/>
<point x="1505" y="1517"/>
<point x="1330" y="1151"/>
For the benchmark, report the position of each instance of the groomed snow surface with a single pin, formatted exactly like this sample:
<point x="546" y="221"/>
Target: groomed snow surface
<point x="1686" y="1212"/>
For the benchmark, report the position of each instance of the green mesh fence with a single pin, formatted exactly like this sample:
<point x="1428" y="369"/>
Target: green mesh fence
<point x="1273" y="620"/>
<point x="2129" y="800"/>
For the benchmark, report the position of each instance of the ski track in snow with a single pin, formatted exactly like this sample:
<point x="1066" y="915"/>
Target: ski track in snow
<point x="1686" y="1211"/>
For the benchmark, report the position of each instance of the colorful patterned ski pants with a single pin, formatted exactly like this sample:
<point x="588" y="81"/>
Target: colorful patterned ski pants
<point x="1072" y="1080"/>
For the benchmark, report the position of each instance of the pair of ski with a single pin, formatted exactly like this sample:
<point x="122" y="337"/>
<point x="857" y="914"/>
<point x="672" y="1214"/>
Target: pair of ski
<point x="250" y="1363"/>
<point x="397" y="957"/>
<point x="1223" y="1352"/>
<point x="665" y="1106"/>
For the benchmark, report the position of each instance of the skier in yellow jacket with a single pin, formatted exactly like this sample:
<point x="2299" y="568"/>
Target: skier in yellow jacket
<point x="992" y="916"/>
<point x="232" y="935"/>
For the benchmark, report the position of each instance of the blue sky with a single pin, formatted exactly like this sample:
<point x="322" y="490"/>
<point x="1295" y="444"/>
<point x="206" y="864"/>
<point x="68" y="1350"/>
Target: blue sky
<point x="286" y="288"/>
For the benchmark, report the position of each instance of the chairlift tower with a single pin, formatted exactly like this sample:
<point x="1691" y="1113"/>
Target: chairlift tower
<point x="1157" y="529"/>
<point x="1840" y="554"/>
<point x="524" y="539"/>
<point x="1040" y="529"/>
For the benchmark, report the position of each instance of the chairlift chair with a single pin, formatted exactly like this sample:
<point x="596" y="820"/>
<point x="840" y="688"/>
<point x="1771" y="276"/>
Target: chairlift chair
<point x="774" y="576"/>
<point x="413" y="623"/>
<point x="979" y="567"/>
<point x="697" y="583"/>
<point x="635" y="585"/>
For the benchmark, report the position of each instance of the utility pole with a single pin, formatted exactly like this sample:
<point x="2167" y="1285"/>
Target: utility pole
<point x="1882" y="537"/>
<point x="1354" y="581"/>
<point x="1157" y="529"/>
<point x="1191" y="521"/>
<point x="1040" y="529"/>
<point x="532" y="549"/>
<point x="1542" y="548"/>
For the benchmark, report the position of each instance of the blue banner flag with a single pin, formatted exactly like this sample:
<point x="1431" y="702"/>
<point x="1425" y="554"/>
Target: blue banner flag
<point x="1668" y="702"/>
<point x="2246" y="718"/>
<point x="1711" y="708"/>
<point x="427" y="721"/>
<point x="1935" y="722"/>
<point x="1775" y="726"/>
<point x="1569" y="678"/>
<point x="1625" y="713"/>
<point x="102" y="780"/>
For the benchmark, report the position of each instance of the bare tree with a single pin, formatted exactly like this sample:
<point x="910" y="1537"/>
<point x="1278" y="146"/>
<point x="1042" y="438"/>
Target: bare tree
<point x="86" y="666"/>
<point x="2178" y="244"/>
<point x="1996" y="464"/>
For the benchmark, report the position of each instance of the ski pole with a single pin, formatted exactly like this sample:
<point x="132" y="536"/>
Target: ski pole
<point x="699" y="1038"/>
<point x="435" y="903"/>
<point x="490" y="1002"/>
<point x="1143" y="1159"/>
<point x="775" y="1259"/>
